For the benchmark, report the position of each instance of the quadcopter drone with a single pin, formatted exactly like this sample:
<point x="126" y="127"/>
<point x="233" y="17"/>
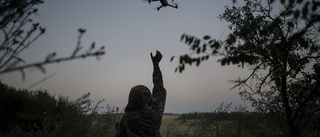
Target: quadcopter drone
<point x="164" y="3"/>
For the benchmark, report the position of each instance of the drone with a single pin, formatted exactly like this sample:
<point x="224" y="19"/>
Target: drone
<point x="164" y="3"/>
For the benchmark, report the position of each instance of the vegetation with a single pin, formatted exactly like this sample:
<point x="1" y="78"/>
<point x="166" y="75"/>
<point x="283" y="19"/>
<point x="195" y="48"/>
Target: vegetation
<point x="220" y="123"/>
<point x="281" y="48"/>
<point x="282" y="51"/>
<point x="37" y="113"/>
<point x="224" y="123"/>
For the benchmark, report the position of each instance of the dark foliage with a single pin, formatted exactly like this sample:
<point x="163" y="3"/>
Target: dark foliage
<point x="37" y="113"/>
<point x="22" y="107"/>
<point x="282" y="51"/>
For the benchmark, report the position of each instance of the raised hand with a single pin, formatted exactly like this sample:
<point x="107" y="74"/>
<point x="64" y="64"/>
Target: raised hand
<point x="156" y="59"/>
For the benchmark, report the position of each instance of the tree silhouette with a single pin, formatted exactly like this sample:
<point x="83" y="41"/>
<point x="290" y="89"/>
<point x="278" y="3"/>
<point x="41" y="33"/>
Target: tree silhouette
<point x="282" y="51"/>
<point x="15" y="17"/>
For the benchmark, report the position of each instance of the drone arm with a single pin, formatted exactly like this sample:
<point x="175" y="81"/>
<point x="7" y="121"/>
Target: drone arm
<point x="152" y="0"/>
<point x="159" y="7"/>
<point x="176" y="6"/>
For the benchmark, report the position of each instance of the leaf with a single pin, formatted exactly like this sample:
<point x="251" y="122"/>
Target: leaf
<point x="193" y="47"/>
<point x="189" y="40"/>
<point x="214" y="52"/>
<point x="35" y="25"/>
<point x="204" y="48"/>
<point x="42" y="30"/>
<point x="223" y="61"/>
<point x="187" y="59"/>
<point x="171" y="58"/>
<point x="181" y="68"/>
<point x="50" y="56"/>
<point x="92" y="45"/>
<point x="198" y="50"/>
<point x="81" y="30"/>
<point x="15" y="41"/>
<point x="183" y="36"/>
<point x="211" y="41"/>
<point x="41" y="68"/>
<point x="207" y="57"/>
<point x="216" y="45"/>
<point x="196" y="43"/>
<point x="35" y="10"/>
<point x="206" y="37"/>
<point x="181" y="59"/>
<point x="231" y="39"/>
<point x="198" y="62"/>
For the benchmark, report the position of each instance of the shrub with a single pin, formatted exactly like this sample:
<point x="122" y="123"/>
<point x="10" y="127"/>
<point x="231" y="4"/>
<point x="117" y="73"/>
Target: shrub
<point x="37" y="113"/>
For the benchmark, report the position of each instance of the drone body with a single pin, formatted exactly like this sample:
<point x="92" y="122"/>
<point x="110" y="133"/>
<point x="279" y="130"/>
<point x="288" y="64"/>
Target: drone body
<point x="164" y="3"/>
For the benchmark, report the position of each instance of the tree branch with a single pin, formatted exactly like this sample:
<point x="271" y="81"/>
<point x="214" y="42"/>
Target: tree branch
<point x="97" y="54"/>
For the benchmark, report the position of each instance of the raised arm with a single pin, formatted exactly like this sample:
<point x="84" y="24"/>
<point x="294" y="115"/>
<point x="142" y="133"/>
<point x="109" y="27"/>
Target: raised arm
<point x="157" y="76"/>
<point x="158" y="92"/>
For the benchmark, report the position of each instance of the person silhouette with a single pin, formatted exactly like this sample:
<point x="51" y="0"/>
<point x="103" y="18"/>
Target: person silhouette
<point x="144" y="111"/>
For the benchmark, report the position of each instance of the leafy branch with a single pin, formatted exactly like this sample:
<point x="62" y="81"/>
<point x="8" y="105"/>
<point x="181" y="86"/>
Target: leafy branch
<point x="209" y="47"/>
<point x="283" y="46"/>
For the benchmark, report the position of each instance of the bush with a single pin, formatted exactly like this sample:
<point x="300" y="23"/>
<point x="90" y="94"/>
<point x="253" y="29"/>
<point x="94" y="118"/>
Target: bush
<point x="37" y="113"/>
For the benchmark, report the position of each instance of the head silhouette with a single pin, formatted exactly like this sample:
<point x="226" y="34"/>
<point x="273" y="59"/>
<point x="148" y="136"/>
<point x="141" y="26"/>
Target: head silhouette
<point x="139" y="97"/>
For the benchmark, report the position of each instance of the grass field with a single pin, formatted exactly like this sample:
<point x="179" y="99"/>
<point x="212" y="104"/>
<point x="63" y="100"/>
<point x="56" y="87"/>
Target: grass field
<point x="171" y="127"/>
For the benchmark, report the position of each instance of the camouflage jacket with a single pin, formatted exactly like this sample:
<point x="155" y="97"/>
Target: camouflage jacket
<point x="145" y="122"/>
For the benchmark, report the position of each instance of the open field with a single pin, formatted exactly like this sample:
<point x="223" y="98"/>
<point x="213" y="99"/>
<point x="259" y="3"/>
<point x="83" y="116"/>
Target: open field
<point x="214" y="124"/>
<point x="172" y="126"/>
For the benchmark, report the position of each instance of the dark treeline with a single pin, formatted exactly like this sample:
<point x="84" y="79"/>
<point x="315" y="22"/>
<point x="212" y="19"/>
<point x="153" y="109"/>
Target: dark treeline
<point x="240" y="123"/>
<point x="227" y="124"/>
<point x="252" y="116"/>
<point x="38" y="113"/>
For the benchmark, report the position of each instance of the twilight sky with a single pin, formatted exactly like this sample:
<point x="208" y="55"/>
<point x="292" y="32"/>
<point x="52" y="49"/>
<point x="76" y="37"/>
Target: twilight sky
<point x="130" y="30"/>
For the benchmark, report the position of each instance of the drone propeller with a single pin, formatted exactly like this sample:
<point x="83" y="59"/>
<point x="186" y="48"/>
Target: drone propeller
<point x="149" y="1"/>
<point x="176" y="4"/>
<point x="154" y="8"/>
<point x="144" y="0"/>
